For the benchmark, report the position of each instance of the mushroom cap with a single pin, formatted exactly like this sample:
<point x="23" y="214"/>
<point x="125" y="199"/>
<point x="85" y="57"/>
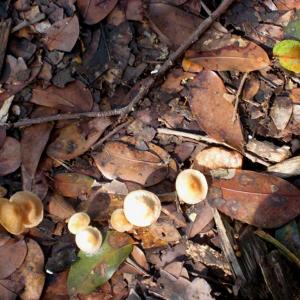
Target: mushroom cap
<point x="11" y="217"/>
<point x="78" y="222"/>
<point x="31" y="206"/>
<point x="89" y="240"/>
<point x="142" y="208"/>
<point x="119" y="222"/>
<point x="191" y="186"/>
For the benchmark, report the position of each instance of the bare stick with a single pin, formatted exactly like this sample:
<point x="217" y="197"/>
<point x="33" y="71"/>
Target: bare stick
<point x="237" y="96"/>
<point x="145" y="87"/>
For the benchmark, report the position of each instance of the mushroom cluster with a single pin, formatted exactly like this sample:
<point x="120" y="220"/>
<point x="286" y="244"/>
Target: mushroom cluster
<point x="23" y="210"/>
<point x="141" y="208"/>
<point x="87" y="238"/>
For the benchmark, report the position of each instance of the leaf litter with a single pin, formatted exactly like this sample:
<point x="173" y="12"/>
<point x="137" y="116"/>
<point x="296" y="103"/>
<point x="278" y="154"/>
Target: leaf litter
<point x="229" y="107"/>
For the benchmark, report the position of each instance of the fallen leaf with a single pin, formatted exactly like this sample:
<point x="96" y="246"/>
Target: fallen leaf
<point x="10" y="156"/>
<point x="31" y="272"/>
<point x="295" y="95"/>
<point x="255" y="198"/>
<point x="63" y="34"/>
<point x="246" y="57"/>
<point x="75" y="97"/>
<point x="12" y="256"/>
<point x="6" y="293"/>
<point x="92" y="271"/>
<point x="140" y="258"/>
<point x="288" y="53"/>
<point x="287" y="4"/>
<point x="73" y="185"/>
<point x="59" y="207"/>
<point x="212" y="111"/>
<point x="119" y="160"/>
<point x="172" y="24"/>
<point x="33" y="142"/>
<point x="172" y="84"/>
<point x="287" y="168"/>
<point x="57" y="289"/>
<point x="94" y="11"/>
<point x="281" y="111"/>
<point x="292" y="30"/>
<point x="217" y="158"/>
<point x="76" y="138"/>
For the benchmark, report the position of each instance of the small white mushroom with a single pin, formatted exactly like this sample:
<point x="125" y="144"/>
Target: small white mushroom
<point x="142" y="208"/>
<point x="119" y="222"/>
<point x="89" y="240"/>
<point x="78" y="222"/>
<point x="191" y="186"/>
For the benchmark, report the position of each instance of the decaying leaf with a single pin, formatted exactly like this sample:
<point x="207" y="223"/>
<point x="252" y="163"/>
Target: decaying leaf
<point x="12" y="256"/>
<point x="73" y="184"/>
<point x="281" y="111"/>
<point x="120" y="160"/>
<point x="255" y="198"/>
<point x="93" y="11"/>
<point x="174" y="79"/>
<point x="10" y="156"/>
<point x="31" y="272"/>
<point x="212" y="111"/>
<point x="92" y="271"/>
<point x="244" y="57"/>
<point x="287" y="168"/>
<point x="63" y="34"/>
<point x="76" y="138"/>
<point x="292" y="30"/>
<point x="75" y="97"/>
<point x="217" y="157"/>
<point x="268" y="150"/>
<point x="288" y="53"/>
<point x="287" y="4"/>
<point x="59" y="207"/>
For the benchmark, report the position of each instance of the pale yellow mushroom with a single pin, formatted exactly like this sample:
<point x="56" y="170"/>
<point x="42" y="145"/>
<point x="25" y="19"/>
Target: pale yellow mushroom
<point x="119" y="222"/>
<point x="89" y="240"/>
<point x="78" y="222"/>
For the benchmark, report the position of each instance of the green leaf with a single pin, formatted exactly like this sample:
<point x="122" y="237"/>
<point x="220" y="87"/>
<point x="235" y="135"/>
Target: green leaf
<point x="92" y="271"/>
<point x="288" y="53"/>
<point x="292" y="30"/>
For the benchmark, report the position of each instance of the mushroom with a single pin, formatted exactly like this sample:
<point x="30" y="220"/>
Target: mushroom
<point x="191" y="186"/>
<point x="78" y="222"/>
<point x="142" y="208"/>
<point x="11" y="217"/>
<point x="31" y="206"/>
<point x="89" y="240"/>
<point x="119" y="222"/>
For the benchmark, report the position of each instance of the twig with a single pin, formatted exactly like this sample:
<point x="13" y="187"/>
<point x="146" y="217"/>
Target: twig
<point x="148" y="83"/>
<point x="113" y="132"/>
<point x="287" y="253"/>
<point x="208" y="140"/>
<point x="237" y="96"/>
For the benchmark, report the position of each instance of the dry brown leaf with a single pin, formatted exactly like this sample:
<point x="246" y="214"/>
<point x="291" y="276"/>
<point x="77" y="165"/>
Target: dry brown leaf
<point x="73" y="185"/>
<point x="172" y="84"/>
<point x="75" y="97"/>
<point x="287" y="168"/>
<point x="57" y="289"/>
<point x="31" y="272"/>
<point x="287" y="4"/>
<point x="10" y="156"/>
<point x="119" y="160"/>
<point x="33" y="142"/>
<point x="93" y="11"/>
<point x="246" y="57"/>
<point x="212" y="111"/>
<point x="140" y="258"/>
<point x="63" y="34"/>
<point x="281" y="112"/>
<point x="217" y="157"/>
<point x="76" y="138"/>
<point x="295" y="95"/>
<point x="12" y="255"/>
<point x="59" y="207"/>
<point x="255" y="198"/>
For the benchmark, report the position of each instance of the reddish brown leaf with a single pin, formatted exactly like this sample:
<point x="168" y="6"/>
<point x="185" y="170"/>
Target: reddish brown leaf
<point x="255" y="198"/>
<point x="75" y="97"/>
<point x="33" y="142"/>
<point x="172" y="24"/>
<point x="140" y="258"/>
<point x="10" y="156"/>
<point x="212" y="110"/>
<point x="31" y="272"/>
<point x="287" y="4"/>
<point x="63" y="34"/>
<point x="12" y="256"/>
<point x="73" y="184"/>
<point x="77" y="138"/>
<point x="246" y="57"/>
<point x="59" y="207"/>
<point x="93" y="11"/>
<point x="173" y="81"/>
<point x="119" y="160"/>
<point x="57" y="289"/>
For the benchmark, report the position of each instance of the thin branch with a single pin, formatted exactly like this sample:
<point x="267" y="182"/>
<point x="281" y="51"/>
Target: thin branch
<point x="237" y="96"/>
<point x="147" y="84"/>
